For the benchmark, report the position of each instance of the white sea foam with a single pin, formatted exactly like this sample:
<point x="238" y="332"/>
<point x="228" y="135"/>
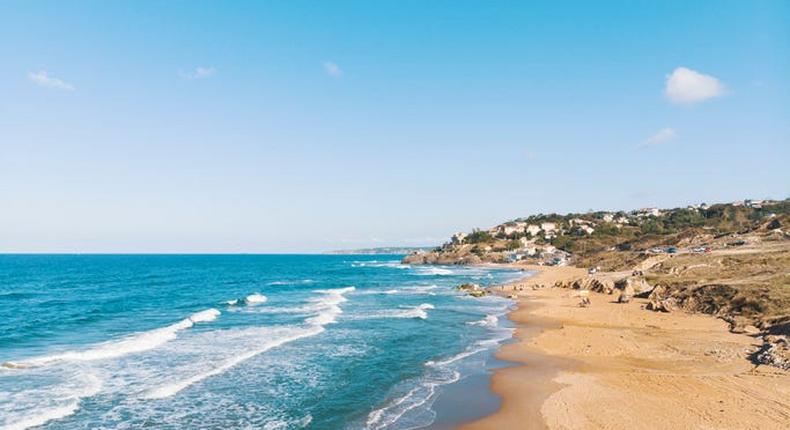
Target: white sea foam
<point x="233" y="302"/>
<point x="394" y="264"/>
<point x="488" y="321"/>
<point x="255" y="299"/>
<point x="173" y="388"/>
<point x="289" y="424"/>
<point x="45" y="416"/>
<point x="301" y="281"/>
<point x="420" y="395"/>
<point x="437" y="271"/>
<point x="329" y="305"/>
<point x="69" y="404"/>
<point x="420" y="312"/>
<point x="330" y="309"/>
<point x="129" y="345"/>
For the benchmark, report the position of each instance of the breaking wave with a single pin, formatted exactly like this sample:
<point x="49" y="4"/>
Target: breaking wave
<point x="330" y="305"/>
<point x="132" y="344"/>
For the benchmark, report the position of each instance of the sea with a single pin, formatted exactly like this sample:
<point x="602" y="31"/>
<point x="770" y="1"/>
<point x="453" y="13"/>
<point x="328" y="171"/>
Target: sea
<point x="239" y="341"/>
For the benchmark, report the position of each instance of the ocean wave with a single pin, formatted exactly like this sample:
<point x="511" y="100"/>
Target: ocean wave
<point x="418" y="400"/>
<point x="394" y="264"/>
<point x="254" y="299"/>
<point x="298" y="282"/>
<point x="330" y="305"/>
<point x="488" y="321"/>
<point x="171" y="389"/>
<point x="131" y="344"/>
<point x="66" y="404"/>
<point x="330" y="309"/>
<point x="434" y="271"/>
<point x="422" y="395"/>
<point x="420" y="312"/>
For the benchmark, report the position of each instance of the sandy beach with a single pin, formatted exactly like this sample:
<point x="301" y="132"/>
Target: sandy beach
<point x="618" y="366"/>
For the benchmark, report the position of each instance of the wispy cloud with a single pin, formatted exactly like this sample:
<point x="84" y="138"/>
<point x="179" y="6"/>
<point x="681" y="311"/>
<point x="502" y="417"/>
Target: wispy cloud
<point x="686" y="86"/>
<point x="333" y="69"/>
<point x="662" y="136"/>
<point x="199" y="73"/>
<point x="42" y="79"/>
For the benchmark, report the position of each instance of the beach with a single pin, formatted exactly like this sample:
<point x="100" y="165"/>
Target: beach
<point x="616" y="365"/>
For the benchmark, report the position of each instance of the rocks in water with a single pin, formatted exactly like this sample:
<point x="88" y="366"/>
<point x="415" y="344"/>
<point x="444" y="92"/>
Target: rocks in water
<point x="473" y="290"/>
<point x="468" y="287"/>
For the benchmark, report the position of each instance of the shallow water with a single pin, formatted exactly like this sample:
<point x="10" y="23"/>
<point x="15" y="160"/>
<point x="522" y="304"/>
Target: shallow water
<point x="243" y="341"/>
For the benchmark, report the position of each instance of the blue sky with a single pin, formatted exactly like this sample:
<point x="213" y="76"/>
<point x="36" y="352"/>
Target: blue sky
<point x="303" y="126"/>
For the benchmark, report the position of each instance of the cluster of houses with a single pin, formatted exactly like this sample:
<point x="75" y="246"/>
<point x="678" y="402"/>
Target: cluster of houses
<point x="534" y="236"/>
<point x="548" y="230"/>
<point x="754" y="204"/>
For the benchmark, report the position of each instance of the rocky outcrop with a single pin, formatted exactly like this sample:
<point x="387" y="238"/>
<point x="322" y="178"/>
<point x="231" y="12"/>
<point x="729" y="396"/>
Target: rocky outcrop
<point x="473" y="290"/>
<point x="659" y="300"/>
<point x="453" y="258"/>
<point x="774" y="352"/>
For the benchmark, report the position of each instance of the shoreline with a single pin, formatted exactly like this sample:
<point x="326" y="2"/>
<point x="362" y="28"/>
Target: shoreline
<point x="614" y="365"/>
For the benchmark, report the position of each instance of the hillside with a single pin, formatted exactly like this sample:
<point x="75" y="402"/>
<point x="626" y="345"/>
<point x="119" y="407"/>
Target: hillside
<point x="730" y="260"/>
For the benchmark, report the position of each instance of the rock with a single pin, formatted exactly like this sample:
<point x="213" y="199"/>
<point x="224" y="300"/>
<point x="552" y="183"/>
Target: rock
<point x="468" y="287"/>
<point x="626" y="295"/>
<point x="774" y="352"/>
<point x="585" y="302"/>
<point x="605" y="286"/>
<point x="478" y="293"/>
<point x="662" y="305"/>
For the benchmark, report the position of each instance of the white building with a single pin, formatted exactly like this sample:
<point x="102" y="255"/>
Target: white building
<point x="548" y="226"/>
<point x="533" y="229"/>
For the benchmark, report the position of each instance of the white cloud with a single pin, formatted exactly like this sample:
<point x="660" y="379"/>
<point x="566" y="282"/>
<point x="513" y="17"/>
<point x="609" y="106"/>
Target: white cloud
<point x="42" y="79"/>
<point x="662" y="136"/>
<point x="333" y="69"/>
<point x="199" y="73"/>
<point x="686" y="86"/>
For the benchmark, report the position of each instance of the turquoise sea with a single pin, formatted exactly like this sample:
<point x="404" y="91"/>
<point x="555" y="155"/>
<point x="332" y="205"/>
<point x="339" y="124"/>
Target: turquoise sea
<point x="237" y="341"/>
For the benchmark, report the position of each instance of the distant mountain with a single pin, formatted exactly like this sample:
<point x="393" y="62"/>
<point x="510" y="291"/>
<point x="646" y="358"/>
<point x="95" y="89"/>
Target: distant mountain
<point x="384" y="250"/>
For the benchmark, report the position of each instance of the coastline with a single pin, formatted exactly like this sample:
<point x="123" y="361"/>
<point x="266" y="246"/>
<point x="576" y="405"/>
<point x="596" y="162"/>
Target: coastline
<point x="614" y="365"/>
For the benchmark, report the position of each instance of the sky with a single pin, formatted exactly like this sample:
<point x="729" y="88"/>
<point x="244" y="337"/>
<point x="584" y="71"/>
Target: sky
<point x="303" y="126"/>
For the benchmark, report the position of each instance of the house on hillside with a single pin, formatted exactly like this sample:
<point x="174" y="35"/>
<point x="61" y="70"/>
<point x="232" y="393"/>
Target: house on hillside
<point x="548" y="227"/>
<point x="607" y="217"/>
<point x="524" y="242"/>
<point x="646" y="212"/>
<point x="512" y="228"/>
<point x="533" y="229"/>
<point x="458" y="238"/>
